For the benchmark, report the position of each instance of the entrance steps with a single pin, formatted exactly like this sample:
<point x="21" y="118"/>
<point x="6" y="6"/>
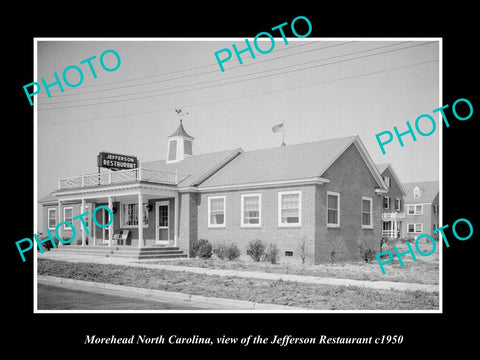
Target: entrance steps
<point x="144" y="253"/>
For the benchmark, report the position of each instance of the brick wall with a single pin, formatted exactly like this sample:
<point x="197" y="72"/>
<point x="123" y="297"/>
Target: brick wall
<point x="349" y="176"/>
<point x="287" y="239"/>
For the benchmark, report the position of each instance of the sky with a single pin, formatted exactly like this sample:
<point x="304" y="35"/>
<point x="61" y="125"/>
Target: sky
<point x="320" y="89"/>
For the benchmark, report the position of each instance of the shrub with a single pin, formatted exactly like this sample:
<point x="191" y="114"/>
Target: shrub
<point x="220" y="251"/>
<point x="201" y="249"/>
<point x="365" y="252"/>
<point x="232" y="252"/>
<point x="271" y="254"/>
<point x="47" y="245"/>
<point x="303" y="249"/>
<point x="256" y="249"/>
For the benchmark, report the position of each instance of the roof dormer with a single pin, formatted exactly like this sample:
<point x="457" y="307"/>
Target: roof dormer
<point x="416" y="192"/>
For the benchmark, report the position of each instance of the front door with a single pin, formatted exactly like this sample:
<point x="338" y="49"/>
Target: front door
<point x="162" y="229"/>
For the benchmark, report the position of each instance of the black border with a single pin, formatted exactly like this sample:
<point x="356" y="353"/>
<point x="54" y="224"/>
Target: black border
<point x="63" y="334"/>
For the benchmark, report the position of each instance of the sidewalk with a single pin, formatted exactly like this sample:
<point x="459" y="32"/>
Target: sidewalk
<point x="379" y="285"/>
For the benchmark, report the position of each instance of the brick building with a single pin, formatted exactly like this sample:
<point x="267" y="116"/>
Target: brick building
<point x="421" y="209"/>
<point x="323" y="198"/>
<point x="393" y="211"/>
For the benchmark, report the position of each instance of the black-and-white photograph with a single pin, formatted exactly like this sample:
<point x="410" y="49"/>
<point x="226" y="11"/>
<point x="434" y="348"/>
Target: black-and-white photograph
<point x="282" y="174"/>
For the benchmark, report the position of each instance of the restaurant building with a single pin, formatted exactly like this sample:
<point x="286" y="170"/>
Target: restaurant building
<point x="315" y="200"/>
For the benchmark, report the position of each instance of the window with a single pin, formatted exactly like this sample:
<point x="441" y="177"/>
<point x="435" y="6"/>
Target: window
<point x="387" y="180"/>
<point x="416" y="192"/>
<point x="187" y="147"/>
<point x="415" y="209"/>
<point x="251" y="208"/>
<point x="67" y="216"/>
<point x="52" y="218"/>
<point x="216" y="211"/>
<point x="130" y="215"/>
<point x="386" y="202"/>
<point x="333" y="209"/>
<point x="172" y="150"/>
<point x="415" y="228"/>
<point x="289" y="208"/>
<point x="398" y="204"/>
<point x="435" y="209"/>
<point x="367" y="213"/>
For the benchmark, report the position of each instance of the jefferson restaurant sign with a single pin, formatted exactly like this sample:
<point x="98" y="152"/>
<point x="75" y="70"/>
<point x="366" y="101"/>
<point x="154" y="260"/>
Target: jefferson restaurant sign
<point x="116" y="161"/>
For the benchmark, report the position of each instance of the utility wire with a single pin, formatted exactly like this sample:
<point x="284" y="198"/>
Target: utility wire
<point x="193" y="68"/>
<point x="253" y="95"/>
<point x="227" y="83"/>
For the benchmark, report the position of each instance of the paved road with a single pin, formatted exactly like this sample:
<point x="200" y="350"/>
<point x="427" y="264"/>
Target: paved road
<point x="60" y="298"/>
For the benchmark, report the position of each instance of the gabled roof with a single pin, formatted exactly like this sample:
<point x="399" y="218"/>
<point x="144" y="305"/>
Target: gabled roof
<point x="381" y="169"/>
<point x="197" y="167"/>
<point x="181" y="131"/>
<point x="428" y="191"/>
<point x="292" y="162"/>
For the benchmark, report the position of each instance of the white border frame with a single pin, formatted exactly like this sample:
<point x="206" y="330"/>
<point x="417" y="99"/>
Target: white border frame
<point x="98" y="39"/>
<point x="213" y="197"/>
<point x="242" y="212"/>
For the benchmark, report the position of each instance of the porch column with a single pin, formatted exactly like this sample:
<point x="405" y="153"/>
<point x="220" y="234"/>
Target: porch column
<point x="94" y="229"/>
<point x="110" y="227"/>
<point x="140" y="220"/>
<point x="59" y="221"/>
<point x="175" y="224"/>
<point x="82" y="210"/>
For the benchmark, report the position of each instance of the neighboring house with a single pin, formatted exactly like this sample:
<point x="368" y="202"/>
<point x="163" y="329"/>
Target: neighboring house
<point x="421" y="209"/>
<point x="319" y="199"/>
<point x="393" y="212"/>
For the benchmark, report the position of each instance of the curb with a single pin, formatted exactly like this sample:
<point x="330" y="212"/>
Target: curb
<point x="162" y="295"/>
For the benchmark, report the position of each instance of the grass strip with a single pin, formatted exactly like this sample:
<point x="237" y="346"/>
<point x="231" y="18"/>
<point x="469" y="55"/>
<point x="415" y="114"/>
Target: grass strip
<point x="262" y="291"/>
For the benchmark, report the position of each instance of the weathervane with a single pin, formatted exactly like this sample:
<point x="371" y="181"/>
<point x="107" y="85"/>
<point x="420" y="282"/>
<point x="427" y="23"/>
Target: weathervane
<point x="181" y="113"/>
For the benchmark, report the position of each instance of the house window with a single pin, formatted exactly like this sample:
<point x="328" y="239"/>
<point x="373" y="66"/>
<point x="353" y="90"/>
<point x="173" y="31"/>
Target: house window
<point x="367" y="213"/>
<point x="333" y="209"/>
<point x="251" y="208"/>
<point x="67" y="216"/>
<point x="397" y="204"/>
<point x="415" y="228"/>
<point x="416" y="192"/>
<point x="130" y="215"/>
<point x="435" y="209"/>
<point x="52" y="218"/>
<point x="415" y="209"/>
<point x="216" y="211"/>
<point x="289" y="208"/>
<point x="386" y="202"/>
<point x="387" y="180"/>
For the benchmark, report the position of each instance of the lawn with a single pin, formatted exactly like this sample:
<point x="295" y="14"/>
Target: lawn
<point x="423" y="271"/>
<point x="264" y="291"/>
